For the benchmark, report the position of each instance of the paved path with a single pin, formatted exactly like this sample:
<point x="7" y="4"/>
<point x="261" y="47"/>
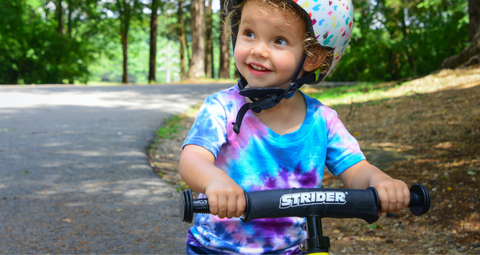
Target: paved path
<point x="74" y="176"/>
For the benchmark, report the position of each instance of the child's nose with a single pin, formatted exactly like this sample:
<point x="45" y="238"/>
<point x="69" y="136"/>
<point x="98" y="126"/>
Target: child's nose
<point x="261" y="50"/>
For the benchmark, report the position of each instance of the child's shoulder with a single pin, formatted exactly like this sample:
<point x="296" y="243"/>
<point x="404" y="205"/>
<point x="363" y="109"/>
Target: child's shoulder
<point x="226" y="95"/>
<point x="231" y="92"/>
<point x="224" y="101"/>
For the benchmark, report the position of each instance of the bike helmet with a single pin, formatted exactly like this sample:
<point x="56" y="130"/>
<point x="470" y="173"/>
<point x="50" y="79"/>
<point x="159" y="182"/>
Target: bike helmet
<point x="329" y="21"/>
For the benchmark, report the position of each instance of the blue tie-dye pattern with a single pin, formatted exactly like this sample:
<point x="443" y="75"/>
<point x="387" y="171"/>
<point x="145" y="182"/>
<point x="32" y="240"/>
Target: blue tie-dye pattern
<point x="259" y="159"/>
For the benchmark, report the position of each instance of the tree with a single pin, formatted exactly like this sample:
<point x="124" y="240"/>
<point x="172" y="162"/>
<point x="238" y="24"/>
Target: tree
<point x="395" y="39"/>
<point x="474" y="18"/>
<point x="472" y="51"/>
<point x="197" y="62"/>
<point x="153" y="40"/>
<point x="126" y="11"/>
<point x="176" y="26"/>
<point x="224" y="67"/>
<point x="59" y="13"/>
<point x="209" y="43"/>
<point x="182" y="38"/>
<point x="32" y="48"/>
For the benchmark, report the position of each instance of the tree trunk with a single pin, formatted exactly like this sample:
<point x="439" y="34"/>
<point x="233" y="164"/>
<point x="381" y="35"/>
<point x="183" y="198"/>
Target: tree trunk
<point x="69" y="24"/>
<point x="153" y="41"/>
<point x="224" y="67"/>
<point x="197" y="63"/>
<point x="188" y="55"/>
<point x="183" y="39"/>
<point x="474" y="18"/>
<point x="125" y="57"/>
<point x="208" y="35"/>
<point x="407" y="46"/>
<point x="59" y="11"/>
<point x="124" y="12"/>
<point x="471" y="50"/>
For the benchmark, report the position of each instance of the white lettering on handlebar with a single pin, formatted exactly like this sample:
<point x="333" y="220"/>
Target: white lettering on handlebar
<point x="311" y="198"/>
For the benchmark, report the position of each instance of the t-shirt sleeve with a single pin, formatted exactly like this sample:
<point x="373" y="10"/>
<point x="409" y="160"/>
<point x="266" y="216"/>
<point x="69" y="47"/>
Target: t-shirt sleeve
<point x="343" y="150"/>
<point x="209" y="129"/>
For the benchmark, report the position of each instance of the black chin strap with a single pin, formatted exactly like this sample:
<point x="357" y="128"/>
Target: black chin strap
<point x="266" y="98"/>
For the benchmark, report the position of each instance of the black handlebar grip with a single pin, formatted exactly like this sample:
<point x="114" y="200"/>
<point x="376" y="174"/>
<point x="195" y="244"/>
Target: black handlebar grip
<point x="419" y="199"/>
<point x="189" y="206"/>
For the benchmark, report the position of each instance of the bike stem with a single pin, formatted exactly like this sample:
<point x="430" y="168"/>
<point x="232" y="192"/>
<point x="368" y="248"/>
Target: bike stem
<point x="316" y="242"/>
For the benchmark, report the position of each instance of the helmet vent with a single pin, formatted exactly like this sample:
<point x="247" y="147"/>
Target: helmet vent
<point x="325" y="35"/>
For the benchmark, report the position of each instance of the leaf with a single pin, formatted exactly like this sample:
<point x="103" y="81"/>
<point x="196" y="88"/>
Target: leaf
<point x="374" y="226"/>
<point x="67" y="220"/>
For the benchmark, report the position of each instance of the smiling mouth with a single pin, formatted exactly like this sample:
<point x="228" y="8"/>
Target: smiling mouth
<point x="258" y="68"/>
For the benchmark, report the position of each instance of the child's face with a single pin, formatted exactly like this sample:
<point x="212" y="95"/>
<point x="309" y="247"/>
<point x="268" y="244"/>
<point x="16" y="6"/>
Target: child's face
<point x="269" y="45"/>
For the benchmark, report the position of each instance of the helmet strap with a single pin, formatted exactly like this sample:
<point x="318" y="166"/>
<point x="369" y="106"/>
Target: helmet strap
<point x="266" y="98"/>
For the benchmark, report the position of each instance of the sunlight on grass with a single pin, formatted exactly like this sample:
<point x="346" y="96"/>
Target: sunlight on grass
<point x="348" y="94"/>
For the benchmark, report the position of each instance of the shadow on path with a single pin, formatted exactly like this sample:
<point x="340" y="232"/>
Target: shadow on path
<point x="74" y="176"/>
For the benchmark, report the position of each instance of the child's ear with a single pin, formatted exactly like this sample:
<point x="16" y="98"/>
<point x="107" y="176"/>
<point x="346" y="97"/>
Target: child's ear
<point x="313" y="62"/>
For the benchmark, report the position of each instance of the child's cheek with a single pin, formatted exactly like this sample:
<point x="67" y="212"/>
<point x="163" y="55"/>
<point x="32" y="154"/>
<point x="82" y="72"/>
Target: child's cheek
<point x="238" y="55"/>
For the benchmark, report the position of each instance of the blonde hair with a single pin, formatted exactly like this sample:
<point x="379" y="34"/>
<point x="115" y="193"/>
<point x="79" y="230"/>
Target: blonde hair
<point x="311" y="46"/>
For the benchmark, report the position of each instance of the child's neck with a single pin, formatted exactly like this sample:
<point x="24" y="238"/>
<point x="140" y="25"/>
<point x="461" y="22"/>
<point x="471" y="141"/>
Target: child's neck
<point x="287" y="116"/>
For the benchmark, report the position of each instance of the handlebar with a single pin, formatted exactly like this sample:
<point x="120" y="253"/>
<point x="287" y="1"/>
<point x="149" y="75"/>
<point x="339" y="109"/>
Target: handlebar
<point x="302" y="202"/>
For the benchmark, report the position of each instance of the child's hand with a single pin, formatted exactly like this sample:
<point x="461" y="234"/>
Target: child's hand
<point x="394" y="194"/>
<point x="226" y="198"/>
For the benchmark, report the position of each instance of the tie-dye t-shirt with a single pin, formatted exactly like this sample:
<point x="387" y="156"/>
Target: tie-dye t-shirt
<point x="259" y="159"/>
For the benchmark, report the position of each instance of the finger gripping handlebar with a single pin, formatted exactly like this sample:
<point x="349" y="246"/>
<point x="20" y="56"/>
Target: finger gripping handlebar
<point x="302" y="202"/>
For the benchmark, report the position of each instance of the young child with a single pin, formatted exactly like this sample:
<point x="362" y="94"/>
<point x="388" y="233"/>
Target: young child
<point x="265" y="134"/>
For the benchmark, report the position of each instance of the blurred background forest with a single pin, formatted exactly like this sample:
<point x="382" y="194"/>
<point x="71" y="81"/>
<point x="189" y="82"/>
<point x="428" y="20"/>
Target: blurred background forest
<point x="162" y="41"/>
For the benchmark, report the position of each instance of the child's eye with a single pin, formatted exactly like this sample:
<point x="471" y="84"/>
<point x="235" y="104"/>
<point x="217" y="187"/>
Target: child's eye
<point x="281" y="41"/>
<point x="250" y="34"/>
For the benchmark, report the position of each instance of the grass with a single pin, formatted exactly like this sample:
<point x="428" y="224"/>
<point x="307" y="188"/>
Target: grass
<point x="173" y="125"/>
<point x="171" y="128"/>
<point x="346" y="94"/>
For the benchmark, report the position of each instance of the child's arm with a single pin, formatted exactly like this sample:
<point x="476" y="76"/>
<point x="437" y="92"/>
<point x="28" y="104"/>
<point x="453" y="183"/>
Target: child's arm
<point x="225" y="197"/>
<point x="393" y="194"/>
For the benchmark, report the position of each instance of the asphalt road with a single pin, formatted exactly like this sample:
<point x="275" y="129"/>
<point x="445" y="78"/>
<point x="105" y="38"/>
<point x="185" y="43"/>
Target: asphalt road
<point x="74" y="175"/>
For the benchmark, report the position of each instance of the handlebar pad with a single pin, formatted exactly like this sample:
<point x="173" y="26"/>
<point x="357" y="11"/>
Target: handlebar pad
<point x="300" y="202"/>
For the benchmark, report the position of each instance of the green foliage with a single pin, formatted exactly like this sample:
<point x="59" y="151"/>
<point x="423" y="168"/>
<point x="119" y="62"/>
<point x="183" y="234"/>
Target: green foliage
<point x="394" y="39"/>
<point x="33" y="51"/>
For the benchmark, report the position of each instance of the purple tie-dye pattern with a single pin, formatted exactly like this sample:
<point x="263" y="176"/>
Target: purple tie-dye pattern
<point x="258" y="159"/>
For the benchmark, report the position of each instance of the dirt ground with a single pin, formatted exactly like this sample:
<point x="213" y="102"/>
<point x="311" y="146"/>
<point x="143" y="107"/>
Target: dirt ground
<point x="433" y="123"/>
